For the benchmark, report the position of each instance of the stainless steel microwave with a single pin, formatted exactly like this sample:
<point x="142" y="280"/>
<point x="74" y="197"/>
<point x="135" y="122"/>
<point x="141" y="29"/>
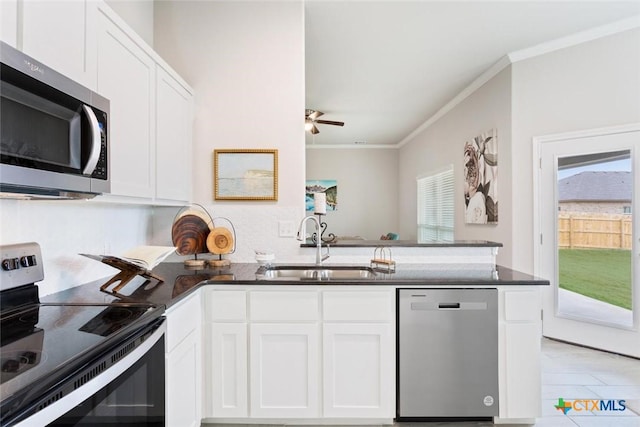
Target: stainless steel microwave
<point x="54" y="132"/>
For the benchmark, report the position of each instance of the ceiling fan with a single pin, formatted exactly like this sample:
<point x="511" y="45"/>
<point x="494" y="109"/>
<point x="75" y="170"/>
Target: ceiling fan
<point x="311" y="119"/>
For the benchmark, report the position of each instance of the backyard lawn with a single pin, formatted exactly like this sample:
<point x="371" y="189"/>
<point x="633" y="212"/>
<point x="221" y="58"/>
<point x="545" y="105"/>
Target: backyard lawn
<point x="602" y="274"/>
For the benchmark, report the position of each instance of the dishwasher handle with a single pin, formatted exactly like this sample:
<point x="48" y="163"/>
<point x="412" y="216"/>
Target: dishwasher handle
<point x="450" y="306"/>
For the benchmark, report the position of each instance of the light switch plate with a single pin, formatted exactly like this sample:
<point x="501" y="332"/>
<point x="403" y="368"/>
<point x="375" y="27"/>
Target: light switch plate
<point x="286" y="229"/>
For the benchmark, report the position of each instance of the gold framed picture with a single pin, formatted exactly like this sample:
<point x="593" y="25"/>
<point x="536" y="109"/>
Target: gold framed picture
<point x="245" y="174"/>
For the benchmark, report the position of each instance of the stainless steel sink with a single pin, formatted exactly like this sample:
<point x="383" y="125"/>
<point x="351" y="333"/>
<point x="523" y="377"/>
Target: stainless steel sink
<point x="305" y="272"/>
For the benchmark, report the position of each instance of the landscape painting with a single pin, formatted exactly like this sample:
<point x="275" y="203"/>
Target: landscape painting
<point x="481" y="179"/>
<point x="246" y="174"/>
<point x="327" y="186"/>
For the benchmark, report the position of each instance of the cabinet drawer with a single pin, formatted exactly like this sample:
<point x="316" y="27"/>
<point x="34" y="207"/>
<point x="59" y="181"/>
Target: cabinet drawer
<point x="182" y="319"/>
<point x="367" y="306"/>
<point x="283" y="306"/>
<point x="226" y="306"/>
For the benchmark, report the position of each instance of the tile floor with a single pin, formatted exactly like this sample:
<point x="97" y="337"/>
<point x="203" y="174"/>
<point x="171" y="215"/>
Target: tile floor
<point x="573" y="372"/>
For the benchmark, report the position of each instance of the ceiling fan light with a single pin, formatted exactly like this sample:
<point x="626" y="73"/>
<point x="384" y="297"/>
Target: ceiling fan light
<point x="308" y="125"/>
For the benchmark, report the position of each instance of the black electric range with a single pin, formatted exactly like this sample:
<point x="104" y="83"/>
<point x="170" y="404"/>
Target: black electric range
<point x="44" y="344"/>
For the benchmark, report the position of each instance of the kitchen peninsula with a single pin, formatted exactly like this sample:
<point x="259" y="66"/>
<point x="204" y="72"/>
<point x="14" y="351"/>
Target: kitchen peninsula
<point x="245" y="349"/>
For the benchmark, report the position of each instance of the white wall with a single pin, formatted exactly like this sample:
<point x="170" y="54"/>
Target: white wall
<point x="367" y="189"/>
<point x="65" y="229"/>
<point x="245" y="61"/>
<point x="442" y="144"/>
<point x="588" y="86"/>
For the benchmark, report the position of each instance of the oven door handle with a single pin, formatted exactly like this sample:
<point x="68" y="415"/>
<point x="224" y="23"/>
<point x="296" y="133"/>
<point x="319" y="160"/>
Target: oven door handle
<point x="65" y="404"/>
<point x="96" y="141"/>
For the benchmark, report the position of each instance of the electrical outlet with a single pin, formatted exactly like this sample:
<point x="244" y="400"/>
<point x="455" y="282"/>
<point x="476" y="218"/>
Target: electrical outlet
<point x="286" y="229"/>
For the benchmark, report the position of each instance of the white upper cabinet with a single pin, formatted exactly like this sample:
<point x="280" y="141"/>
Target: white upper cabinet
<point x="173" y="138"/>
<point x="150" y="123"/>
<point x="57" y="34"/>
<point x="9" y="22"/>
<point x="126" y="76"/>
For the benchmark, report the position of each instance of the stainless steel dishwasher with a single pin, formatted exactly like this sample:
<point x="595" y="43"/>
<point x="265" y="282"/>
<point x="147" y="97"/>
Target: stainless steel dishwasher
<point x="447" y="353"/>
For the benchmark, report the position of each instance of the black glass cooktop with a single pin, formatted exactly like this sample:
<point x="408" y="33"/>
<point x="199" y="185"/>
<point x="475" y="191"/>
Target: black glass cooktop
<point x="41" y="342"/>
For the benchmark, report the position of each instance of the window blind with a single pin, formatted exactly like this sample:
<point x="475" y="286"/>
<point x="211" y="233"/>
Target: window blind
<point x="435" y="206"/>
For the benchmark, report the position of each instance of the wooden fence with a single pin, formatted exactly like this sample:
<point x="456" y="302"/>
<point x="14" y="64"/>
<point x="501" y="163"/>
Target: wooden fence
<point x="603" y="231"/>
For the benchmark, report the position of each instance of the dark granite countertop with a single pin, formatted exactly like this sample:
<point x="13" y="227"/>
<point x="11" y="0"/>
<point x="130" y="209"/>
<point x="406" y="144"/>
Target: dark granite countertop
<point x="406" y="244"/>
<point x="180" y="281"/>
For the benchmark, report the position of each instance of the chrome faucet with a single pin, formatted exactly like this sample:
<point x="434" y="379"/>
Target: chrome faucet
<point x="300" y="236"/>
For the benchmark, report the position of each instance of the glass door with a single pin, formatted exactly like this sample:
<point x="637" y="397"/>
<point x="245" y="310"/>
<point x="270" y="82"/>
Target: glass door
<point x="588" y="201"/>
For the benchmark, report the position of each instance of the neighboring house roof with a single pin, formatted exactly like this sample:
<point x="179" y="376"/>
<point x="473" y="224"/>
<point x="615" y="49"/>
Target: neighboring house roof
<point x="596" y="186"/>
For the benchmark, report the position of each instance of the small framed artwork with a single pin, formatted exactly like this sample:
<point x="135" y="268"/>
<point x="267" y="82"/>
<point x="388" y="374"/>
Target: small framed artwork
<point x="245" y="174"/>
<point x="327" y="186"/>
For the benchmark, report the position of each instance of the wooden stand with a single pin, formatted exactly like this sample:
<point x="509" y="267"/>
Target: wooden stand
<point x="382" y="260"/>
<point x="127" y="272"/>
<point x="219" y="263"/>
<point x="194" y="263"/>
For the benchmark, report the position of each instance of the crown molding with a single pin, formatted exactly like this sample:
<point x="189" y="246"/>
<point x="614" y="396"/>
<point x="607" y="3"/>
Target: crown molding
<point x="503" y="63"/>
<point x="352" y="147"/>
<point x="576" y="39"/>
<point x="520" y="55"/>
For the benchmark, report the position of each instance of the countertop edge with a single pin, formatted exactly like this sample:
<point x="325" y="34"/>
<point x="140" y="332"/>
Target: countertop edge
<point x="405" y="244"/>
<point x="181" y="282"/>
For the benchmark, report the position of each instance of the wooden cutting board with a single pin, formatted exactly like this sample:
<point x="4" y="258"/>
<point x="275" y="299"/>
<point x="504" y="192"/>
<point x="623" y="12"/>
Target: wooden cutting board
<point x="189" y="234"/>
<point x="220" y="241"/>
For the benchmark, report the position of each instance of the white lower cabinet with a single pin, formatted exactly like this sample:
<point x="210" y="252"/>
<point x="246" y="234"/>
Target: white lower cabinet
<point x="522" y="332"/>
<point x="300" y="354"/>
<point x="358" y="379"/>
<point x="183" y="380"/>
<point x="227" y="370"/>
<point x="284" y="362"/>
<point x="358" y="356"/>
<point x="184" y="363"/>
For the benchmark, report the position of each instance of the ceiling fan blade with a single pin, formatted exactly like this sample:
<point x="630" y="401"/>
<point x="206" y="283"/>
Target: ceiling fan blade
<point x="314" y="130"/>
<point x="315" y="114"/>
<point x="329" y="122"/>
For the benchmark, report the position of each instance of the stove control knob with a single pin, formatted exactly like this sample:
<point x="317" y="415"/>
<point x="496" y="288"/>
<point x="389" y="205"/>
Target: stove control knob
<point x="11" y="365"/>
<point x="28" y="261"/>
<point x="9" y="264"/>
<point x="29" y="357"/>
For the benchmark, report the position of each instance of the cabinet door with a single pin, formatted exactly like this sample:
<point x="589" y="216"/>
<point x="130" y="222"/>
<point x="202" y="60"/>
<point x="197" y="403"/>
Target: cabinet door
<point x="183" y="318"/>
<point x="226" y="391"/>
<point x="183" y="383"/>
<point x="173" y="139"/>
<point x="284" y="370"/>
<point x="126" y="76"/>
<point x="523" y="386"/>
<point x="57" y="34"/>
<point x="520" y="392"/>
<point x="358" y="370"/>
<point x="9" y="22"/>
